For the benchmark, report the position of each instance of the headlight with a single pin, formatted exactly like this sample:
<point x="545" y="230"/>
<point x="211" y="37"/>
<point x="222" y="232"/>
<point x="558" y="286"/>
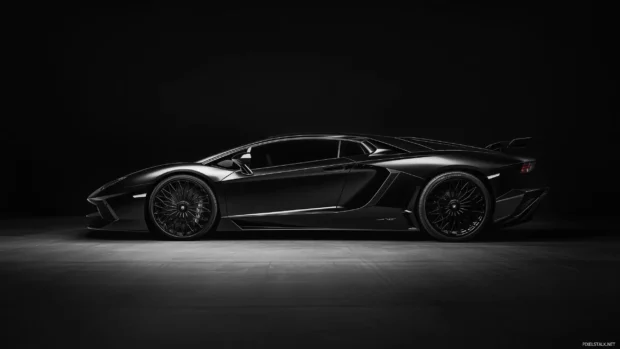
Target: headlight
<point x="109" y="184"/>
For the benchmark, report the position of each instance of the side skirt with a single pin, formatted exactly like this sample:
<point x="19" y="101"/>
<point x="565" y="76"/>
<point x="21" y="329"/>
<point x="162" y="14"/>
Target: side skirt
<point x="370" y="218"/>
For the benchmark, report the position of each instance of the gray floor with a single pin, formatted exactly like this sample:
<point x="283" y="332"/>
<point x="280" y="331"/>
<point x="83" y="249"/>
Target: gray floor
<point x="542" y="284"/>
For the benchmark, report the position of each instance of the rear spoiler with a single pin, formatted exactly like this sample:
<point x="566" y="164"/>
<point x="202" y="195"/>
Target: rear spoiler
<point x="515" y="143"/>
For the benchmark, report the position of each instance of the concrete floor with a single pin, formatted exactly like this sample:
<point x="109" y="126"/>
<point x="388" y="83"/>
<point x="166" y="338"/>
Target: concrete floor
<point x="539" y="285"/>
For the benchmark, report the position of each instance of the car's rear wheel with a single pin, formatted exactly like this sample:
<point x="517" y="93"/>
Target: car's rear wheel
<point x="454" y="206"/>
<point x="182" y="207"/>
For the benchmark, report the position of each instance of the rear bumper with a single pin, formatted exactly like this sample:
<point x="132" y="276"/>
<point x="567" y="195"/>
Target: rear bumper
<point x="518" y="206"/>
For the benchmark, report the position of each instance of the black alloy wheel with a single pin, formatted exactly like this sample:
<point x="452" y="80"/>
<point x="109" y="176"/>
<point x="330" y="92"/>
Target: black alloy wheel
<point x="182" y="207"/>
<point x="455" y="206"/>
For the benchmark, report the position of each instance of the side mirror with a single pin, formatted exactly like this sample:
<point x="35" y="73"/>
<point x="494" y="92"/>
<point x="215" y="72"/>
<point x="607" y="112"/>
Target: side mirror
<point x="243" y="161"/>
<point x="246" y="159"/>
<point x="226" y="163"/>
<point x="244" y="168"/>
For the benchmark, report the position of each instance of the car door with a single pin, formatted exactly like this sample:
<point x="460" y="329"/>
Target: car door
<point x="287" y="175"/>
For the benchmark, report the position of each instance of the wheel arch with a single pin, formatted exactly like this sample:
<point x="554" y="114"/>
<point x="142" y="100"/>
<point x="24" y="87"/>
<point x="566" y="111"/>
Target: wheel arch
<point x="189" y="172"/>
<point x="456" y="168"/>
<point x="210" y="182"/>
<point x="474" y="171"/>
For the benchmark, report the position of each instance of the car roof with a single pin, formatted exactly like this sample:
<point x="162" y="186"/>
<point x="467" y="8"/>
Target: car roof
<point x="394" y="140"/>
<point x="329" y="135"/>
<point x="398" y="142"/>
<point x="352" y="136"/>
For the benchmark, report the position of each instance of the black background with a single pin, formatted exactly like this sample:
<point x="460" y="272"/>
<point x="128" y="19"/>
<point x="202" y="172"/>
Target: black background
<point x="102" y="92"/>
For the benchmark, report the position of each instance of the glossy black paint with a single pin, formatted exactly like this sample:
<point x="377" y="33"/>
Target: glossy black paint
<point x="281" y="188"/>
<point x="376" y="190"/>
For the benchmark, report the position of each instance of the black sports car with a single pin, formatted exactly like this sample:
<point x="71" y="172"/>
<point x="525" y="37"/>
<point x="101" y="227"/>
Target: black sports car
<point x="451" y="191"/>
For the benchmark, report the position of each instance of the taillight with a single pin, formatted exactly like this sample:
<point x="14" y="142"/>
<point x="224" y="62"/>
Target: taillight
<point x="527" y="167"/>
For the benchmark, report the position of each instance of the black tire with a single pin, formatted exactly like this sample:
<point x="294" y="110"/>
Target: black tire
<point x="455" y="206"/>
<point x="181" y="207"/>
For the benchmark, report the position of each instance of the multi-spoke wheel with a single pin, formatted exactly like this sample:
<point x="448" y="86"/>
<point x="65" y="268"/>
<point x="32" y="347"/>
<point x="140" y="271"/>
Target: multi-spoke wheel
<point x="182" y="207"/>
<point x="454" y="206"/>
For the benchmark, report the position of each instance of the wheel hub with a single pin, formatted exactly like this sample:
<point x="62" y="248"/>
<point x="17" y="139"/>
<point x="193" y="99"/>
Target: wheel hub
<point x="454" y="205"/>
<point x="182" y="206"/>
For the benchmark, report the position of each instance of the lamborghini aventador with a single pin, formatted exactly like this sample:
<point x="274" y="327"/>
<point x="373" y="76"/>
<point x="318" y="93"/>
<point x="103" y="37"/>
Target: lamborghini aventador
<point x="318" y="181"/>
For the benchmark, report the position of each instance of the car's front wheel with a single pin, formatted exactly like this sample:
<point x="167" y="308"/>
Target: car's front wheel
<point x="454" y="206"/>
<point x="181" y="207"/>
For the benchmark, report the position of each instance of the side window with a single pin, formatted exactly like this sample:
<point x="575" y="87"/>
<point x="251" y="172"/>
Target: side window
<point x="293" y="151"/>
<point x="351" y="149"/>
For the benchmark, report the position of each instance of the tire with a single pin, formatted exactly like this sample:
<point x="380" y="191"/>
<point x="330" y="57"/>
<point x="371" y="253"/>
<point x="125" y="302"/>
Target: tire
<point x="181" y="207"/>
<point x="455" y="206"/>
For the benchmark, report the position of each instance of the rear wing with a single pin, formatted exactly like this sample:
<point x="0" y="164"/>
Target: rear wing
<point x="515" y="143"/>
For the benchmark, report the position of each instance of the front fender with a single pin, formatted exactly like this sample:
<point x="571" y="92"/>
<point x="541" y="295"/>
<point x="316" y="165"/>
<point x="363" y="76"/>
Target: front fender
<point x="121" y="203"/>
<point x="154" y="174"/>
<point x="143" y="180"/>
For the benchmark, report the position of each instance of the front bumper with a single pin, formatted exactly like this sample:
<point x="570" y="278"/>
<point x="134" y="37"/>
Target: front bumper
<point x="518" y="206"/>
<point x="117" y="212"/>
